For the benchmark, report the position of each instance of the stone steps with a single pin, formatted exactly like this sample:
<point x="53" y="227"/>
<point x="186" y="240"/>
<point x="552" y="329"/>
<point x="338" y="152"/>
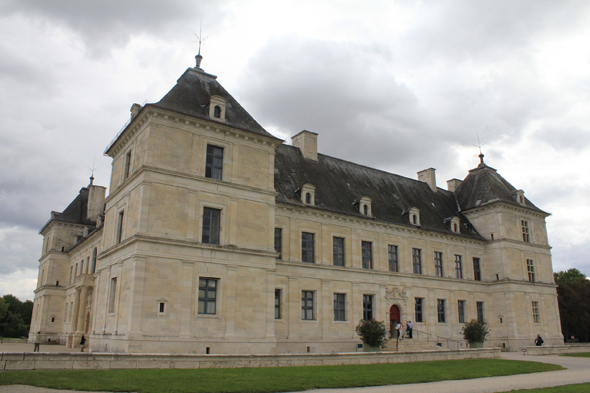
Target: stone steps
<point x="407" y="344"/>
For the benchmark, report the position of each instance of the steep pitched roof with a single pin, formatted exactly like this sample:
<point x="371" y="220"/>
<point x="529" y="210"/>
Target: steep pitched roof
<point x="484" y="185"/>
<point x="191" y="96"/>
<point x="75" y="213"/>
<point x="339" y="184"/>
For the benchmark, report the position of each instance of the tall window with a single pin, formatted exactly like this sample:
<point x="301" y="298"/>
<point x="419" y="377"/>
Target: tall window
<point x="277" y="304"/>
<point x="417" y="260"/>
<point x="536" y="317"/>
<point x="418" y="315"/>
<point x="120" y="226"/>
<point x="438" y="267"/>
<point x="476" y="269"/>
<point x="217" y="111"/>
<point x="308" y="198"/>
<point x="392" y="253"/>
<point x="440" y="308"/>
<point x="76" y="271"/>
<point x="461" y="310"/>
<point x="307" y="247"/>
<point x="526" y="235"/>
<point x="94" y="255"/>
<point x="279" y="241"/>
<point x="367" y="307"/>
<point x="530" y="268"/>
<point x="458" y="266"/>
<point x="480" y="316"/>
<point x="71" y="272"/>
<point x="66" y="314"/>
<point x="211" y="225"/>
<point x="112" y="294"/>
<point x="367" y="250"/>
<point x="207" y="296"/>
<point x="307" y="305"/>
<point x="127" y="170"/>
<point x="214" y="164"/>
<point x="340" y="307"/>
<point x="338" y="250"/>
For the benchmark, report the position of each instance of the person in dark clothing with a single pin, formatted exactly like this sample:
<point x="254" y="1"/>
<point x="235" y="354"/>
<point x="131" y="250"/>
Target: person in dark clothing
<point x="538" y="340"/>
<point x="82" y="342"/>
<point x="410" y="327"/>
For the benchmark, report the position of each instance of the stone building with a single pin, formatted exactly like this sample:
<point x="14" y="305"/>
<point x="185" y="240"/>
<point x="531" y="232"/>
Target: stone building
<point x="218" y="238"/>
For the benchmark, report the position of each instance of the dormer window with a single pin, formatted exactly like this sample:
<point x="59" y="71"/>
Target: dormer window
<point x="414" y="216"/>
<point x="308" y="194"/>
<point x="217" y="107"/>
<point x="455" y="225"/>
<point x="520" y="197"/>
<point x="365" y="206"/>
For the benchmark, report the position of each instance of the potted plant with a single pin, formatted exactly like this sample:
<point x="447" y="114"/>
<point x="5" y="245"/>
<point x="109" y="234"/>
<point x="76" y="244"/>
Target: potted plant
<point x="373" y="334"/>
<point x="475" y="333"/>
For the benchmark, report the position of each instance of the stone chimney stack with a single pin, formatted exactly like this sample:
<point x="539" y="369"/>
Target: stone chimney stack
<point x="307" y="142"/>
<point x="453" y="184"/>
<point x="96" y="196"/>
<point x="428" y="177"/>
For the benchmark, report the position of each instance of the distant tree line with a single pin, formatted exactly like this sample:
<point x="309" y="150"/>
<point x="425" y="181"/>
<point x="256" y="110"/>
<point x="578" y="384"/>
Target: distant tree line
<point x="573" y="296"/>
<point x="15" y="317"/>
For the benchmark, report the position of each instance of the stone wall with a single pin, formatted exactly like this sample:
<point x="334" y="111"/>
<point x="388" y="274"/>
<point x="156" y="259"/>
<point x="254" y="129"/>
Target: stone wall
<point x="557" y="349"/>
<point x="80" y="361"/>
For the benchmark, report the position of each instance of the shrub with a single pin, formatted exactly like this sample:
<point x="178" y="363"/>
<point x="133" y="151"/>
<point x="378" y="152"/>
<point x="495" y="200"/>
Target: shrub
<point x="475" y="331"/>
<point x="372" y="332"/>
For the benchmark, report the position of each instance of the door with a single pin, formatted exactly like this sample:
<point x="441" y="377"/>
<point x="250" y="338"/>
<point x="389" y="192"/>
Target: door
<point x="394" y="319"/>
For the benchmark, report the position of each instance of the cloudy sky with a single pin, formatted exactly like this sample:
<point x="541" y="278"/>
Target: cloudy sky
<point x="397" y="85"/>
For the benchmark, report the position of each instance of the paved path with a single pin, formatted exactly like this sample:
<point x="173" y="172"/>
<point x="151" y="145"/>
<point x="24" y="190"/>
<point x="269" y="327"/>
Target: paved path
<point x="578" y="371"/>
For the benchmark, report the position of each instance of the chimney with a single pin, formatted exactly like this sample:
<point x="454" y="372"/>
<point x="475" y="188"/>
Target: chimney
<point x="307" y="142"/>
<point x="453" y="184"/>
<point x="428" y="177"/>
<point x="96" y="197"/>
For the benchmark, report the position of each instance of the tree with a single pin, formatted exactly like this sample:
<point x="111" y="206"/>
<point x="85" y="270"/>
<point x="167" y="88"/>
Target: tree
<point x="15" y="316"/>
<point x="475" y="331"/>
<point x="372" y="332"/>
<point x="573" y="297"/>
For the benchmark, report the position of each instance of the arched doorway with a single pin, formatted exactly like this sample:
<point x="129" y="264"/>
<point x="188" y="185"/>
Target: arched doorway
<point x="394" y="319"/>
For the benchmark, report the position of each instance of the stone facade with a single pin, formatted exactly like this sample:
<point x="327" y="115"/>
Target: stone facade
<point x="218" y="238"/>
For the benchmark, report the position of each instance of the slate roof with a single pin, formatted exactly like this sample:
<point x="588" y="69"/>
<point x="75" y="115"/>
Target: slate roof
<point x="75" y="213"/>
<point x="483" y="185"/>
<point x="339" y="184"/>
<point x="191" y="96"/>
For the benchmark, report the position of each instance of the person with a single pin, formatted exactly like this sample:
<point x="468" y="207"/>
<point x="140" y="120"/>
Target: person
<point x="538" y="340"/>
<point x="400" y="329"/>
<point x="82" y="342"/>
<point x="37" y="342"/>
<point x="410" y="327"/>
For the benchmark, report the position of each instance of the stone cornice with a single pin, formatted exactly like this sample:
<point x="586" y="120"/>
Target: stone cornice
<point x="507" y="206"/>
<point x="519" y="243"/>
<point x="418" y="231"/>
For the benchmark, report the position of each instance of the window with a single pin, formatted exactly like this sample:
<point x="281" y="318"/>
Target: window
<point x="476" y="269"/>
<point x="211" y="225"/>
<point x="417" y="260"/>
<point x="340" y="307"/>
<point x="365" y="210"/>
<point x="536" y="317"/>
<point x="438" y="267"/>
<point x="208" y="296"/>
<point x="112" y="295"/>
<point x="530" y="269"/>
<point x="308" y="198"/>
<point x="127" y="170"/>
<point x="76" y="271"/>
<point x="367" y="307"/>
<point x="277" y="304"/>
<point x="458" y="266"/>
<point x="307" y="305"/>
<point x="162" y="307"/>
<point x="71" y="272"/>
<point x="526" y="236"/>
<point x="307" y="247"/>
<point x="461" y="310"/>
<point x="338" y="249"/>
<point x="440" y="307"/>
<point x="66" y="313"/>
<point x="87" y="270"/>
<point x="392" y="253"/>
<point x="217" y="111"/>
<point x="418" y="316"/>
<point x="279" y="242"/>
<point x="81" y="267"/>
<point x="367" y="250"/>
<point x="94" y="254"/>
<point x="120" y="227"/>
<point x="214" y="164"/>
<point x="479" y="307"/>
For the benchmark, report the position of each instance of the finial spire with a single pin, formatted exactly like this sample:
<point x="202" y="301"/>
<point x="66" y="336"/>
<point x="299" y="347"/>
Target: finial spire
<point x="481" y="163"/>
<point x="198" y="57"/>
<point x="92" y="172"/>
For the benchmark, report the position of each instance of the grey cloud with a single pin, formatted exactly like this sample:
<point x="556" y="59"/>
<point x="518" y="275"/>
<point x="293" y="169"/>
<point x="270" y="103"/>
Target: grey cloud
<point x="573" y="138"/>
<point x="20" y="249"/>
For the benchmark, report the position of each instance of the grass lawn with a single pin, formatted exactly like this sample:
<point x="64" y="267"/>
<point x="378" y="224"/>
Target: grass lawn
<point x="578" y="355"/>
<point x="280" y="379"/>
<point x="581" y="388"/>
